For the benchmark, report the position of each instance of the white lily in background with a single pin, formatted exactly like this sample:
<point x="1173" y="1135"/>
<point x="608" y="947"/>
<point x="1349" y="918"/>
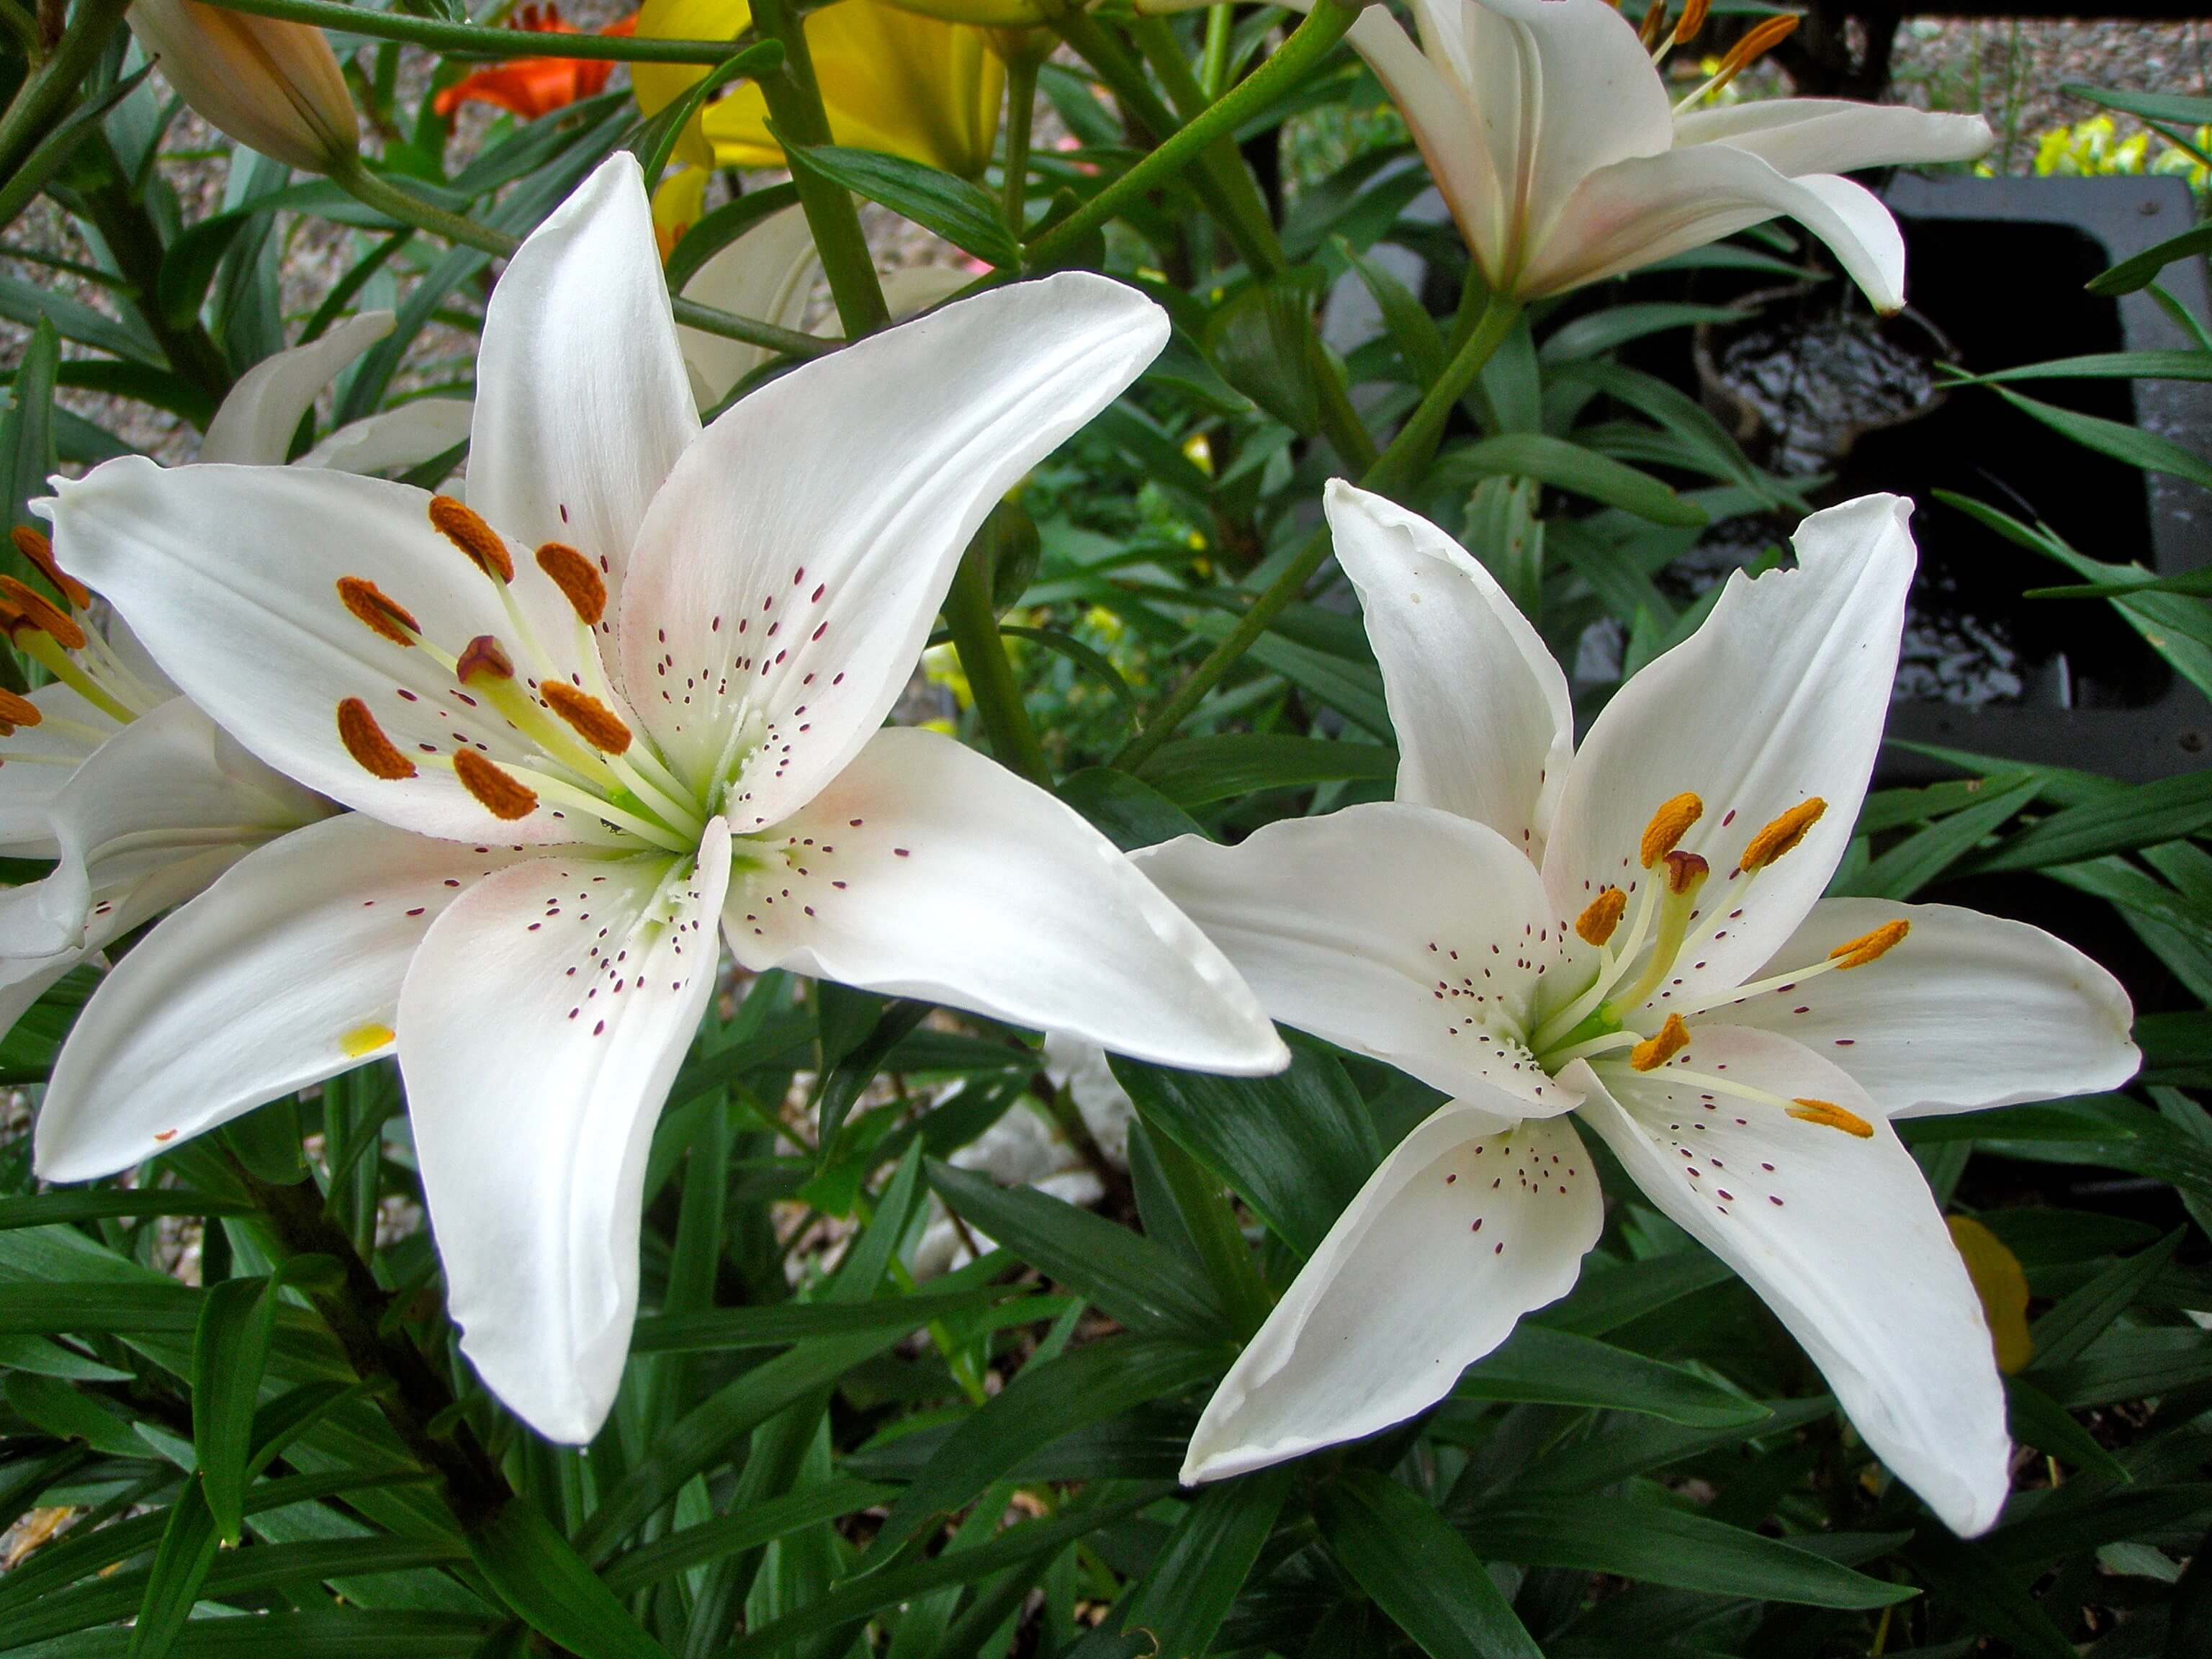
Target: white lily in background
<point x="770" y="273"/>
<point x="1633" y="933"/>
<point x="649" y="698"/>
<point x="1552" y="136"/>
<point x="140" y="797"/>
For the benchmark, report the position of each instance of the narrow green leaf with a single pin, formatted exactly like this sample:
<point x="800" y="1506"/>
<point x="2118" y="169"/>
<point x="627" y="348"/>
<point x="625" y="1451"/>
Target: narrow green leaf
<point x="26" y="444"/>
<point x="64" y="1412"/>
<point x="1556" y="1368"/>
<point x="1047" y="1399"/>
<point x="1418" y="1570"/>
<point x="1295" y="1146"/>
<point x="2066" y="1331"/>
<point x="964" y="214"/>
<point x="539" y="1573"/>
<point x="1902" y="870"/>
<point x="1187" y="1592"/>
<point x="1568" y="466"/>
<point x="1194" y="771"/>
<point x="1136" y="1280"/>
<point x="2038" y="1421"/>
<point x="230" y="1350"/>
<point x="2132" y="817"/>
<point x="1124" y="809"/>
<point x="1647" y="1539"/>
<point x="180" y="1565"/>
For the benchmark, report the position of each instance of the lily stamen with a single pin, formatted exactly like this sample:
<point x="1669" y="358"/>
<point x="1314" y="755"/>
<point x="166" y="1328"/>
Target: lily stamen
<point x="1656" y="1051"/>
<point x="505" y="797"/>
<point x="1824" y="1113"/>
<point x="37" y="610"/>
<point x="1782" y="835"/>
<point x="1868" y="947"/>
<point x="378" y="611"/>
<point x="365" y="740"/>
<point x="483" y="547"/>
<point x="40" y="552"/>
<point x="1830" y="1116"/>
<point x="1668" y="825"/>
<point x="1852" y="953"/>
<point x="1746" y="52"/>
<point x="589" y="719"/>
<point x="1602" y="916"/>
<point x="580" y="582"/>
<point x="16" y="711"/>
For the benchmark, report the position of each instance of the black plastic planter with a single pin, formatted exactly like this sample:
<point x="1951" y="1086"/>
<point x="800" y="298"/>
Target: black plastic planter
<point x="1997" y="264"/>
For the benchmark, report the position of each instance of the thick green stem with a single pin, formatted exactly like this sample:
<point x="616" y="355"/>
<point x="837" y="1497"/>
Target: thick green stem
<point x="411" y="1395"/>
<point x="1251" y="226"/>
<point x="45" y="93"/>
<point x="982" y="651"/>
<point x="1398" y="465"/>
<point x="1213" y="67"/>
<point x="794" y="103"/>
<point x="438" y="36"/>
<point x="1319" y="32"/>
<point x="1021" y="108"/>
<point x="358" y="181"/>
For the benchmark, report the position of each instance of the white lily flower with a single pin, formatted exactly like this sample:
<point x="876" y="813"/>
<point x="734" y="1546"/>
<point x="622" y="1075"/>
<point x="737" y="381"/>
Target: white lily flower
<point x="1632" y="933"/>
<point x="139" y="797"/>
<point x="648" y="700"/>
<point x="1550" y="133"/>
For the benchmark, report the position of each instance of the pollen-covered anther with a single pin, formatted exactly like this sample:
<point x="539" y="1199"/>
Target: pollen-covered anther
<point x="365" y="741"/>
<point x="377" y="610"/>
<point x="465" y="528"/>
<point x="577" y="577"/>
<point x="1668" y="825"/>
<point x="38" y="611"/>
<point x="1782" y="834"/>
<point x="483" y="658"/>
<point x="1602" y="916"/>
<point x="16" y="711"/>
<point x="1693" y="20"/>
<point x="1656" y="1051"/>
<point x="40" y="552"/>
<point x="505" y="797"/>
<point x="589" y="719"/>
<point x="1685" y="874"/>
<point x="1755" y="44"/>
<point x="1829" y="1115"/>
<point x="1856" y="953"/>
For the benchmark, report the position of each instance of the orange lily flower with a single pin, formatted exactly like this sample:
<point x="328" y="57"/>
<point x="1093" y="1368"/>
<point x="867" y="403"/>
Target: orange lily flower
<point x="532" y="87"/>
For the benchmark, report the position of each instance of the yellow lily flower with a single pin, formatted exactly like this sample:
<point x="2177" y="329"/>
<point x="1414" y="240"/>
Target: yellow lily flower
<point x="891" y="81"/>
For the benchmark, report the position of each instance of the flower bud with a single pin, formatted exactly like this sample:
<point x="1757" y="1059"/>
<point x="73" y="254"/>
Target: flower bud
<point x="273" y="86"/>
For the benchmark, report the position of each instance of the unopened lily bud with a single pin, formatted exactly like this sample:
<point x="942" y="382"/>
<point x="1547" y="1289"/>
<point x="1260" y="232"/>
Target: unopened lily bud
<point x="271" y="85"/>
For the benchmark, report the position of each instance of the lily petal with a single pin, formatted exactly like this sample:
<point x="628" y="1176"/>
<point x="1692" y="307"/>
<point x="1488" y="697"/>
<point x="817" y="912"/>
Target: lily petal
<point x="255" y="424"/>
<point x="169" y="786"/>
<point x="787" y="575"/>
<point x="286" y="971"/>
<point x="37" y="761"/>
<point x="1841" y="1236"/>
<point x="1638" y="212"/>
<point x="1562" y="88"/>
<point x="1398" y="932"/>
<point x="540" y="1026"/>
<point x="1471" y="1222"/>
<point x="927" y="870"/>
<point x="1448" y="130"/>
<point x="1777" y="698"/>
<point x="1965" y="1012"/>
<point x="395" y="440"/>
<point x="1485" y="726"/>
<point x="230" y="574"/>
<point x="1797" y="135"/>
<point x="583" y="402"/>
<point x="768" y="273"/>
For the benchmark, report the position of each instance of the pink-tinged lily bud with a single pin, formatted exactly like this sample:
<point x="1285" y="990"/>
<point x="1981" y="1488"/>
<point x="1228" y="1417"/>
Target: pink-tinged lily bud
<point x="273" y="86"/>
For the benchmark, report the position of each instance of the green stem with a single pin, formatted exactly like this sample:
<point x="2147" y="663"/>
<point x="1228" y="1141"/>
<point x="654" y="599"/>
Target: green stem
<point x="794" y="105"/>
<point x="438" y="36"/>
<point x="975" y="635"/>
<point x="1320" y="31"/>
<point x="371" y="189"/>
<point x="46" y="92"/>
<point x="1251" y="226"/>
<point x="1213" y="67"/>
<point x="1021" y="108"/>
<point x="1398" y="465"/>
<point x="411" y="1395"/>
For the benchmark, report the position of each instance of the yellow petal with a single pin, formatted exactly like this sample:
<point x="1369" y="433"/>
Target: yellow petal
<point x="999" y="13"/>
<point x="2001" y="1283"/>
<point x="678" y="202"/>
<point x="890" y="80"/>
